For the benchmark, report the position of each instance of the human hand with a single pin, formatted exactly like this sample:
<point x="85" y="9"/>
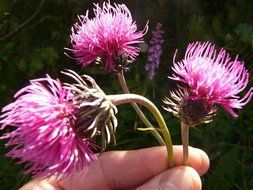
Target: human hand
<point x="144" y="169"/>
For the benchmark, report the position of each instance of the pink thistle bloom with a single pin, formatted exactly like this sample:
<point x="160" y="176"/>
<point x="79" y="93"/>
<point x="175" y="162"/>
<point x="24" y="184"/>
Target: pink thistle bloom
<point x="213" y="77"/>
<point x="109" y="36"/>
<point x="45" y="137"/>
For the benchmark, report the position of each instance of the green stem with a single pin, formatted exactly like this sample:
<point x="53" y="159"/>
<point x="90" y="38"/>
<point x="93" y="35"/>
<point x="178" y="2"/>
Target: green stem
<point x="141" y="115"/>
<point x="185" y="142"/>
<point x="130" y="98"/>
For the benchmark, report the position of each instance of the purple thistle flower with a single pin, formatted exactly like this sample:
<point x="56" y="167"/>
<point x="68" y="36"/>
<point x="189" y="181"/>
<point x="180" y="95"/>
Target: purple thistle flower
<point x="154" y="51"/>
<point x="111" y="34"/>
<point x="211" y="79"/>
<point x="45" y="135"/>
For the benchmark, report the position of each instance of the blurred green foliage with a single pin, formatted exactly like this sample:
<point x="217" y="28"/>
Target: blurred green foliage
<point x="38" y="48"/>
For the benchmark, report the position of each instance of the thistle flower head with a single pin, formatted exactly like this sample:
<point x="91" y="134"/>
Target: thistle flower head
<point x="191" y="111"/>
<point x="45" y="135"/>
<point x="96" y="113"/>
<point x="212" y="78"/>
<point x="108" y="37"/>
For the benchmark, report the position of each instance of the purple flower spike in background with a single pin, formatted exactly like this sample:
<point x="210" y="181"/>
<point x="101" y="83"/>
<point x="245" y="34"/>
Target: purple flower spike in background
<point x="212" y="78"/>
<point x="154" y="51"/>
<point x="107" y="37"/>
<point x="45" y="137"/>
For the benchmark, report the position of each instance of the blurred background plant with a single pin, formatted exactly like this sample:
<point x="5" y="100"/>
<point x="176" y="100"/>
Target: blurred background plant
<point x="33" y="35"/>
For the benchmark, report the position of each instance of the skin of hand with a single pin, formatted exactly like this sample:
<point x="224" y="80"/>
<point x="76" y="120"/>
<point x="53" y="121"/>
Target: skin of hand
<point x="144" y="169"/>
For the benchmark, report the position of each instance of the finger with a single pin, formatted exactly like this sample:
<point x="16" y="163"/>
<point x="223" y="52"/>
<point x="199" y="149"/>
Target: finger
<point x="198" y="159"/>
<point x="178" y="178"/>
<point x="42" y="185"/>
<point x="127" y="169"/>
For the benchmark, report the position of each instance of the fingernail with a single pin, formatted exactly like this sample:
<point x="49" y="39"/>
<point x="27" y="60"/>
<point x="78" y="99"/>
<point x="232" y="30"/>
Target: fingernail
<point x="205" y="163"/>
<point x="168" y="186"/>
<point x="183" y="178"/>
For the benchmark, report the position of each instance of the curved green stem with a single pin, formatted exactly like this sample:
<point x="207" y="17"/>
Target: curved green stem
<point x="130" y="98"/>
<point x="141" y="115"/>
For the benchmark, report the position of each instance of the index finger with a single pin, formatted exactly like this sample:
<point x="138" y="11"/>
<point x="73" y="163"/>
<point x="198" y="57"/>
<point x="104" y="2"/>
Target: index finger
<point x="128" y="169"/>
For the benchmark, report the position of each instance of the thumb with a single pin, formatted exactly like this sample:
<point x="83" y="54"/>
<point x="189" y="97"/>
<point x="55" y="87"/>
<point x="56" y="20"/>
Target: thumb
<point x="178" y="178"/>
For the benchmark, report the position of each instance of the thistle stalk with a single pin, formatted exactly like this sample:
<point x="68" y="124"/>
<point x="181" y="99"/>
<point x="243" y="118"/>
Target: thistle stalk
<point x="137" y="109"/>
<point x="134" y="98"/>
<point x="185" y="141"/>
